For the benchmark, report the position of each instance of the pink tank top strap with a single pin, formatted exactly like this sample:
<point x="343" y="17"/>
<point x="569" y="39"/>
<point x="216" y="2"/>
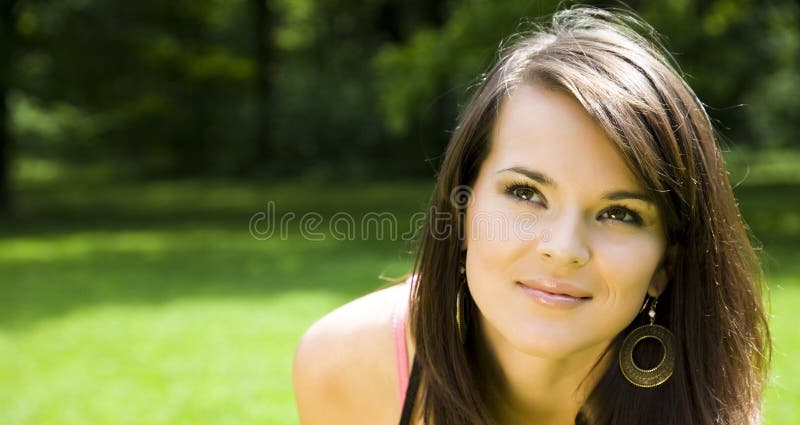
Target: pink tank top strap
<point x="399" y="320"/>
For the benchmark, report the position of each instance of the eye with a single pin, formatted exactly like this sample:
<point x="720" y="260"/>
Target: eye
<point x="621" y="214"/>
<point x="524" y="192"/>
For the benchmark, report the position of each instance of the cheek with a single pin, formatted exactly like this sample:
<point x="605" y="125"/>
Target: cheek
<point x="488" y="249"/>
<point x="624" y="271"/>
<point x="494" y="231"/>
<point x="628" y="268"/>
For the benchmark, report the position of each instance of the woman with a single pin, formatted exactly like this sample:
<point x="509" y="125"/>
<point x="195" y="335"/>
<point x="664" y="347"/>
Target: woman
<point x="597" y="271"/>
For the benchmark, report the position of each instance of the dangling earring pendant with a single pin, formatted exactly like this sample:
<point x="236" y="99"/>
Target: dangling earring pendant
<point x="648" y="378"/>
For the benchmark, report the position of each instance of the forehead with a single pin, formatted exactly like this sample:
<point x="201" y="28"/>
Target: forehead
<point x="549" y="131"/>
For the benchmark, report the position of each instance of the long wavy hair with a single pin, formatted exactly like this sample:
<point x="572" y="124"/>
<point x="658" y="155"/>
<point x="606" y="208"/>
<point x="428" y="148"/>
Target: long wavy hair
<point x="612" y="63"/>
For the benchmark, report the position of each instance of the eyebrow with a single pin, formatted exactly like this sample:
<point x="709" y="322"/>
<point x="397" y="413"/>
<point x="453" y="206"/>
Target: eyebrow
<point x="546" y="180"/>
<point x="531" y="174"/>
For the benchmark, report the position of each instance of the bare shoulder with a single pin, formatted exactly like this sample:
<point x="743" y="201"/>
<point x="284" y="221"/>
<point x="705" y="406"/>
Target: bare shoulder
<point x="344" y="369"/>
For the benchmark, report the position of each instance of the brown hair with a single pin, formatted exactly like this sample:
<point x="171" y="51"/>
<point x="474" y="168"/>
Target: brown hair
<point x="713" y="303"/>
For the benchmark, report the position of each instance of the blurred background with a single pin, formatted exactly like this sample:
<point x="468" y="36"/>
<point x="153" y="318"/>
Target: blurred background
<point x="143" y="145"/>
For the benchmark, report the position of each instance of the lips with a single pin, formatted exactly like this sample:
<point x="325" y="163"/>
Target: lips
<point x="557" y="288"/>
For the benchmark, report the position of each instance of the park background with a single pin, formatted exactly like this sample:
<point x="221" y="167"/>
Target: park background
<point x="139" y="140"/>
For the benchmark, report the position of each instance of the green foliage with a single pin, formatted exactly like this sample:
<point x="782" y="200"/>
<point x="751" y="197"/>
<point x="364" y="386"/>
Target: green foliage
<point x="734" y="52"/>
<point x="153" y="83"/>
<point x="353" y="89"/>
<point x="452" y="58"/>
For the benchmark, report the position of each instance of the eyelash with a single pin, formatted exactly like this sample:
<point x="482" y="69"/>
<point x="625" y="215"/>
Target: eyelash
<point x="636" y="219"/>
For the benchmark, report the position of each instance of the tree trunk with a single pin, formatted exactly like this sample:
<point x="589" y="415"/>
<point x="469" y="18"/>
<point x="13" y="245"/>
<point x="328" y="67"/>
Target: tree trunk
<point x="262" y="32"/>
<point x="5" y="156"/>
<point x="7" y="46"/>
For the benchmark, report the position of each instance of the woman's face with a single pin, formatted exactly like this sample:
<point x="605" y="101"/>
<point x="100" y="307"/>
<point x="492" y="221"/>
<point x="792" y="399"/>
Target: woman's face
<point x="562" y="241"/>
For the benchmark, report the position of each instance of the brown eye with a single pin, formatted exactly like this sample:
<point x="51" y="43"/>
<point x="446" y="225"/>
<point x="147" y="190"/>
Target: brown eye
<point x="621" y="214"/>
<point x="524" y="193"/>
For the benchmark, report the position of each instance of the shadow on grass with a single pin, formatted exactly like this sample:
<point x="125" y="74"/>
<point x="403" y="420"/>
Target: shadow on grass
<point x="41" y="287"/>
<point x="72" y="247"/>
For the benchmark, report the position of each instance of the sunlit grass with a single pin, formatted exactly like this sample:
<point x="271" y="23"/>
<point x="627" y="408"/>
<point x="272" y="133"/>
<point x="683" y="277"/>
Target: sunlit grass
<point x="783" y="394"/>
<point x="181" y="362"/>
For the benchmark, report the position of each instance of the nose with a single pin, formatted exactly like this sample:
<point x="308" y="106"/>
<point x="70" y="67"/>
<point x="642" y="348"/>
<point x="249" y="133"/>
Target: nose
<point x="563" y="240"/>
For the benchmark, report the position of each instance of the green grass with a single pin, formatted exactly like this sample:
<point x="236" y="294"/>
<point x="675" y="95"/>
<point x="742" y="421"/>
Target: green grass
<point x="783" y="394"/>
<point x="152" y="304"/>
<point x="185" y="361"/>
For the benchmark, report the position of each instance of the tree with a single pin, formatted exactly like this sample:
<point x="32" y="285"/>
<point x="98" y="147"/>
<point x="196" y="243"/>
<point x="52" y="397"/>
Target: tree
<point x="263" y="21"/>
<point x="7" y="47"/>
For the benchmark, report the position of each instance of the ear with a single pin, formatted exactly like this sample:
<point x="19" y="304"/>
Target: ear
<point x="662" y="275"/>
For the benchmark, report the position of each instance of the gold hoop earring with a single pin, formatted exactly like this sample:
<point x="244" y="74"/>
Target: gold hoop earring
<point x="461" y="319"/>
<point x="648" y="378"/>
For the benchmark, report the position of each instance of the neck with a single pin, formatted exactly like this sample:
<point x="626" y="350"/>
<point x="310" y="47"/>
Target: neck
<point x="527" y="389"/>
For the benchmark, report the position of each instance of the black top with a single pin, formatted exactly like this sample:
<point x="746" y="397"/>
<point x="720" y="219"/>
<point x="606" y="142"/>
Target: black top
<point x="411" y="394"/>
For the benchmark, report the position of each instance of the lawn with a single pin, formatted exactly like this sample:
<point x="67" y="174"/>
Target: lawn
<point x="152" y="303"/>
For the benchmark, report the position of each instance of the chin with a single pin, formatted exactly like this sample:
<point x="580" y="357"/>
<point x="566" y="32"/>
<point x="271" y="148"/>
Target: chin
<point x="549" y="343"/>
<point x="549" y="348"/>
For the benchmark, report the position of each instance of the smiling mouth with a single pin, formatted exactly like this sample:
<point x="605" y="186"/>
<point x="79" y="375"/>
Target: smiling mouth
<point x="555" y="298"/>
<point x="555" y="288"/>
<point x="564" y="295"/>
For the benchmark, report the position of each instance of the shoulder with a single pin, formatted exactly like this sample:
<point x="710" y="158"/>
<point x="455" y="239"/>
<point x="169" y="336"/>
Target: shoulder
<point x="344" y="368"/>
